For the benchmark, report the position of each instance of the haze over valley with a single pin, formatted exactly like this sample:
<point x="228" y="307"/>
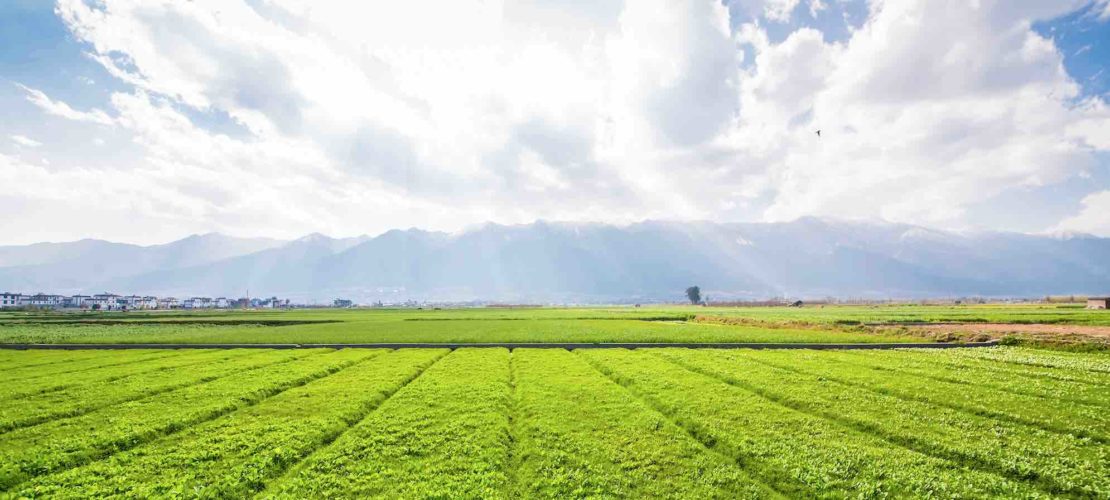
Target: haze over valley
<point x="579" y="262"/>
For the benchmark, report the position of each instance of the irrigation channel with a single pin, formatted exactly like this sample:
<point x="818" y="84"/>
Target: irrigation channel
<point x="512" y="345"/>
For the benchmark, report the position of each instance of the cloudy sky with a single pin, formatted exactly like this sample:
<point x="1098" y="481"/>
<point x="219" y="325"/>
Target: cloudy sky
<point x="145" y="120"/>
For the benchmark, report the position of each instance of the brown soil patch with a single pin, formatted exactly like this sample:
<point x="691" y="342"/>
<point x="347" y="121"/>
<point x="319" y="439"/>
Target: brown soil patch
<point x="1094" y="331"/>
<point x="1067" y="334"/>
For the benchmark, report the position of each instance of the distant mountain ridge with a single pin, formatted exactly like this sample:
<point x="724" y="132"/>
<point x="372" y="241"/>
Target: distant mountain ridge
<point x="580" y="262"/>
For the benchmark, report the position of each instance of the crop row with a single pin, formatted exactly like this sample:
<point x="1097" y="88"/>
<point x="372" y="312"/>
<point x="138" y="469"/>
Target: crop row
<point x="606" y="423"/>
<point x="235" y="455"/>
<point x="976" y="372"/>
<point x="1082" y="420"/>
<point x="110" y="372"/>
<point x="42" y="407"/>
<point x="445" y="435"/>
<point x="1059" y="463"/>
<point x="581" y="435"/>
<point x="85" y="361"/>
<point x="63" y="443"/>
<point x="798" y="454"/>
<point x="959" y="359"/>
<point x="1065" y="361"/>
<point x="17" y="359"/>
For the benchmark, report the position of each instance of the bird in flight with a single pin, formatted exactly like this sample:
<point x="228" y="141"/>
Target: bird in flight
<point x="818" y="132"/>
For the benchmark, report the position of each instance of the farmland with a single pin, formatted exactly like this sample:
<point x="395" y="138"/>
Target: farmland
<point x="552" y="423"/>
<point x="834" y="324"/>
<point x="1009" y="421"/>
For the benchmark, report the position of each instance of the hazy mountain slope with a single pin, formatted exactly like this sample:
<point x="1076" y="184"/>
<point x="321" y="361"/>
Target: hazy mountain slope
<point x="287" y="270"/>
<point x="81" y="266"/>
<point x="586" y="262"/>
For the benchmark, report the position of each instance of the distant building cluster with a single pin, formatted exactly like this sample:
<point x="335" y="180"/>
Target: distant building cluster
<point x="113" y="302"/>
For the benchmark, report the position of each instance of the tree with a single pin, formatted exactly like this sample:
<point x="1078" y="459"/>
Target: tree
<point x="694" y="294"/>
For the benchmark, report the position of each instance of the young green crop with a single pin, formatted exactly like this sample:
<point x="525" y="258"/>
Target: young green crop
<point x="1086" y="421"/>
<point x="34" y="451"/>
<point x="235" y="455"/>
<point x="445" y="435"/>
<point x="798" y="454"/>
<point x="952" y="358"/>
<point x="984" y="374"/>
<point x="113" y="372"/>
<point x="32" y="360"/>
<point x="1061" y="464"/>
<point x="580" y="435"/>
<point x="177" y="373"/>
<point x="83" y="362"/>
<point x="1098" y="363"/>
<point x="399" y="329"/>
<point x="999" y="422"/>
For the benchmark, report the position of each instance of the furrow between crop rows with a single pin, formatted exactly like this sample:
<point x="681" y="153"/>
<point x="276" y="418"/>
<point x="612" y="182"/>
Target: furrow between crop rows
<point x="98" y="361"/>
<point x="62" y="444"/>
<point x="91" y="378"/>
<point x="513" y="455"/>
<point x="952" y="358"/>
<point x="581" y="435"/>
<point x="1058" y="464"/>
<point x="798" y="454"/>
<point x="235" y="455"/>
<point x="901" y="363"/>
<point x="41" y="359"/>
<point x="1062" y="361"/>
<point x="1083" y="421"/>
<point x="444" y="435"/>
<point x="34" y="410"/>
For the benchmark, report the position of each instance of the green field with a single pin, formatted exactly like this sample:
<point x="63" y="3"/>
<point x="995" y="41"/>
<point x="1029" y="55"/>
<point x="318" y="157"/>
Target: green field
<point x="1006" y="422"/>
<point x="835" y="324"/>
<point x="678" y="423"/>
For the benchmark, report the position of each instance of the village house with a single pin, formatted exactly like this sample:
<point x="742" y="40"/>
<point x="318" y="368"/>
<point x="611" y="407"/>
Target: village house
<point x="1098" y="302"/>
<point x="8" y="300"/>
<point x="45" y="300"/>
<point x="131" y="302"/>
<point x="112" y="302"/>
<point x="197" y="303"/>
<point x="76" y="301"/>
<point x="104" y="302"/>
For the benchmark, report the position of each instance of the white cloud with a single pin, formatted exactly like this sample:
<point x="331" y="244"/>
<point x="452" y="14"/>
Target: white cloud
<point x="816" y="6"/>
<point x="916" y="127"/>
<point x="1093" y="217"/>
<point x="25" y="141"/>
<point x="58" y="108"/>
<point x="358" y="118"/>
<point x="779" y="10"/>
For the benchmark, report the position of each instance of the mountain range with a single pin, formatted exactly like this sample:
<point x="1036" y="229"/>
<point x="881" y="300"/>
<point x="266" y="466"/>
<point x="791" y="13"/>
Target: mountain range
<point x="579" y="262"/>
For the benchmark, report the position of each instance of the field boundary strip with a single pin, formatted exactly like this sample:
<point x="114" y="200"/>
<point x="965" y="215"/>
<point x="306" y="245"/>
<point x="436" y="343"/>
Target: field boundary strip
<point x="514" y="345"/>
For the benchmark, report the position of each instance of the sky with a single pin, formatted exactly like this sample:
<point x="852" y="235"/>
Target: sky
<point x="145" y="121"/>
